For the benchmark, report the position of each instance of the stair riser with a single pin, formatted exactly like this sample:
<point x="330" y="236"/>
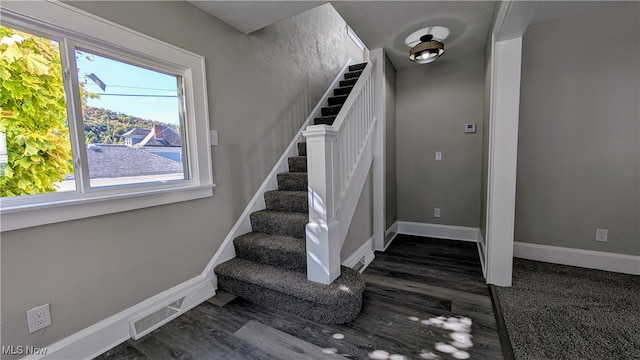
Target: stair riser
<point x="286" y="226"/>
<point x="349" y="82"/>
<point x="292" y="182"/>
<point x="336" y="313"/>
<point x="297" y="164"/>
<point x="357" y="67"/>
<point x="274" y="257"/>
<point x="342" y="91"/>
<point x="287" y="201"/>
<point x="324" y="120"/>
<point x="331" y="111"/>
<point x="302" y="149"/>
<point x="352" y="75"/>
<point x="337" y="100"/>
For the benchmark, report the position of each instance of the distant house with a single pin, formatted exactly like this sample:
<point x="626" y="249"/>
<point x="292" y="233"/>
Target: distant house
<point x="116" y="161"/>
<point x="162" y="141"/>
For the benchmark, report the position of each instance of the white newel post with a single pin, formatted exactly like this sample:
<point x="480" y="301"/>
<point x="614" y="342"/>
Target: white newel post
<point x="323" y="243"/>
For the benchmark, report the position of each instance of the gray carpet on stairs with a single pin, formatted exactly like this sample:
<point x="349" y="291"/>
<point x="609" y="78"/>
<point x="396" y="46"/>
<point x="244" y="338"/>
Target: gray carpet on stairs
<point x="287" y="252"/>
<point x="565" y="312"/>
<point x="271" y="262"/>
<point x="288" y="290"/>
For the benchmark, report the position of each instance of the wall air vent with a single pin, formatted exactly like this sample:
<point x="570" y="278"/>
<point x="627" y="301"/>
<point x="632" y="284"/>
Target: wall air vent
<point x="163" y="313"/>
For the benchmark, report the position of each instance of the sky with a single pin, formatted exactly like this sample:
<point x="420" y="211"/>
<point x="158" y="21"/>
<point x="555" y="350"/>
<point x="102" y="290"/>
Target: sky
<point x="130" y="89"/>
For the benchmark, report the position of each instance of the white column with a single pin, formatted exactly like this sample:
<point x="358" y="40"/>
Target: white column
<point x="323" y="243"/>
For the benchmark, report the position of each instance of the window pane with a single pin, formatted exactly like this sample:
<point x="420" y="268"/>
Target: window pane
<point x="132" y="122"/>
<point x="35" y="151"/>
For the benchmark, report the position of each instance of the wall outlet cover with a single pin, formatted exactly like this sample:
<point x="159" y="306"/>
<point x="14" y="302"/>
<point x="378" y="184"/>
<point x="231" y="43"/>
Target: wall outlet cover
<point x="38" y="318"/>
<point x="602" y="234"/>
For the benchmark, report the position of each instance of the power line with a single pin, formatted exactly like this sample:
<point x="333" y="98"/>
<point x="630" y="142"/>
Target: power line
<point x="139" y="95"/>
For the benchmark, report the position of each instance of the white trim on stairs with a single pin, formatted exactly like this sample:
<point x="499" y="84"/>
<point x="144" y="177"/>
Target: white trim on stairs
<point x="243" y="225"/>
<point x="390" y="235"/>
<point x="627" y="264"/>
<point x="365" y="251"/>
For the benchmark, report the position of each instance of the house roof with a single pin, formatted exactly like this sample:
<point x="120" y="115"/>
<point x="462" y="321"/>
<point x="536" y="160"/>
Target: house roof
<point x="170" y="138"/>
<point x="137" y="132"/>
<point x="113" y="161"/>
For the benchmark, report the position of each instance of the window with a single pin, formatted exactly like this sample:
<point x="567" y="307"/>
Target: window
<point x="95" y="118"/>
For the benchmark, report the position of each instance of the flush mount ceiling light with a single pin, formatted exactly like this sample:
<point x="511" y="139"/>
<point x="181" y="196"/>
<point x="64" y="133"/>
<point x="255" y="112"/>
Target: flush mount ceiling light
<point x="427" y="51"/>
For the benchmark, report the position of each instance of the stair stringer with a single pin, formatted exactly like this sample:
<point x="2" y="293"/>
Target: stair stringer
<point x="243" y="225"/>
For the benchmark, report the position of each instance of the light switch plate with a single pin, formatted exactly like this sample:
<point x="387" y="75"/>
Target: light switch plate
<point x="213" y="137"/>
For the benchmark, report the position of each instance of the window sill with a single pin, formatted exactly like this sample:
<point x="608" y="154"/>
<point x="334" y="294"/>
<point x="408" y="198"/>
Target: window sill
<point x="25" y="216"/>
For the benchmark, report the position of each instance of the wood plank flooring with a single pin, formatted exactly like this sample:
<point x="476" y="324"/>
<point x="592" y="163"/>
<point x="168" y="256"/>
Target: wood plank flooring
<point x="425" y="299"/>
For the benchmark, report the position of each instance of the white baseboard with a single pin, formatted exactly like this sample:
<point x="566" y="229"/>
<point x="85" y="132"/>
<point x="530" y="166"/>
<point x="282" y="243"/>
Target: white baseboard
<point x="627" y="264"/>
<point x="390" y="235"/>
<point x="364" y="251"/>
<point x="481" y="253"/>
<point x="104" y="335"/>
<point x="450" y="232"/>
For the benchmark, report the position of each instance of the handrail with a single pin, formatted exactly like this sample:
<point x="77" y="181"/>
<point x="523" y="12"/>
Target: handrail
<point x="338" y="161"/>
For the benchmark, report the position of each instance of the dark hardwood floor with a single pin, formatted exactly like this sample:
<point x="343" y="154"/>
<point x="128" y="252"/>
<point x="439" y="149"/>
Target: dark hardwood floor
<point x="425" y="299"/>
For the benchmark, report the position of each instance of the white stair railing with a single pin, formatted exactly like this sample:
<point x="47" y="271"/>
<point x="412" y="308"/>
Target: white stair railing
<point x="338" y="162"/>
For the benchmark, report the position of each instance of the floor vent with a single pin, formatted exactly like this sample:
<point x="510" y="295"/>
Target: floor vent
<point x="360" y="264"/>
<point x="151" y="320"/>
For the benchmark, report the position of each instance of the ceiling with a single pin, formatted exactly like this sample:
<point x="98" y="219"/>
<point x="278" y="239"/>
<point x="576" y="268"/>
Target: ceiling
<point x="388" y="23"/>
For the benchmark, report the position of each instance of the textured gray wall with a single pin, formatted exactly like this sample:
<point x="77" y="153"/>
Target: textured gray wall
<point x="434" y="102"/>
<point x="390" y="136"/>
<point x="578" y="145"/>
<point x="261" y="88"/>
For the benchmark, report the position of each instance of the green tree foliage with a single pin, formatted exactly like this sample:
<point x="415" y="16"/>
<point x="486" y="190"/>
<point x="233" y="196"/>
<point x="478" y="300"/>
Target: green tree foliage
<point x="33" y="114"/>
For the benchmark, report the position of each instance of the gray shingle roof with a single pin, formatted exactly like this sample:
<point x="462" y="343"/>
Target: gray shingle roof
<point x="112" y="161"/>
<point x="170" y="138"/>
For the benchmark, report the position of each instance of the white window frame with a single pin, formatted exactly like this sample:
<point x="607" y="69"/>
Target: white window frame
<point x="75" y="26"/>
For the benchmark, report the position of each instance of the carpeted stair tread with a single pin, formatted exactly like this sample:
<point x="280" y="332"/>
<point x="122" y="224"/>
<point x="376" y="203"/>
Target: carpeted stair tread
<point x="352" y="74"/>
<point x="293" y="181"/>
<point x="331" y="110"/>
<point x="342" y="90"/>
<point x="283" y="223"/>
<point x="325" y="120"/>
<point x="285" y="251"/>
<point x="357" y="67"/>
<point x="297" y="164"/>
<point x="349" y="82"/>
<point x="290" y="290"/>
<point x="337" y="100"/>
<point x="302" y="149"/>
<point x="282" y="200"/>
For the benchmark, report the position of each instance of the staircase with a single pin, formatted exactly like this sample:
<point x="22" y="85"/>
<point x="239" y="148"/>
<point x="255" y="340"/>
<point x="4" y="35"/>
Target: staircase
<point x="271" y="261"/>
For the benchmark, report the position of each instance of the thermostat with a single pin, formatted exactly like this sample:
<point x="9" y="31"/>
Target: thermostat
<point x="470" y="128"/>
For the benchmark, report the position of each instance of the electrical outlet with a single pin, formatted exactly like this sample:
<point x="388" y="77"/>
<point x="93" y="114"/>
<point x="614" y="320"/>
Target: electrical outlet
<point x="602" y="234"/>
<point x="436" y="212"/>
<point x="38" y="318"/>
<point x="438" y="155"/>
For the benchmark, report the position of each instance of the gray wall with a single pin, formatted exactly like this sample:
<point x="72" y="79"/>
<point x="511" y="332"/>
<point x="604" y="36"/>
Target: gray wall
<point x="261" y="87"/>
<point x="390" y="139"/>
<point x="434" y="102"/>
<point x="361" y="228"/>
<point x="578" y="153"/>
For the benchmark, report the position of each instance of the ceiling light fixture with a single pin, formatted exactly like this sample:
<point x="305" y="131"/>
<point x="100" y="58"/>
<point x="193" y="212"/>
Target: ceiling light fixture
<point x="427" y="51"/>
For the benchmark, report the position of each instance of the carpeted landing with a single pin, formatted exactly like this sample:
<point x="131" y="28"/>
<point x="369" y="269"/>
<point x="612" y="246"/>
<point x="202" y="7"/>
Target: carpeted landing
<point x="565" y="312"/>
<point x="271" y="262"/>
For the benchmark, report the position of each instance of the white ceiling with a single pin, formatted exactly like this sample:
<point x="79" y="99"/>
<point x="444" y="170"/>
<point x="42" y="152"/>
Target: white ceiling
<point x="387" y="23"/>
<point x="249" y="16"/>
